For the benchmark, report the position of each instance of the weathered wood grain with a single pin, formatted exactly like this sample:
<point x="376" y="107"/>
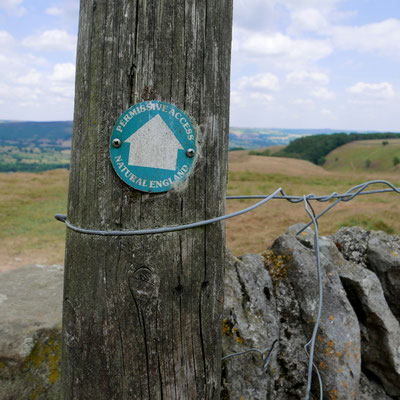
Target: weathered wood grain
<point x="142" y="315"/>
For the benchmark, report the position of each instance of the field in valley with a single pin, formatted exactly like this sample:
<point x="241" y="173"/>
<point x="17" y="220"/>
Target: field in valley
<point x="262" y="175"/>
<point x="29" y="233"/>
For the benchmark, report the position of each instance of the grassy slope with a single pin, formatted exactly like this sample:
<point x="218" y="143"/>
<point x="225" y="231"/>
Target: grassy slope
<point x="29" y="234"/>
<point x="28" y="231"/>
<point x="352" y="156"/>
<point x="253" y="232"/>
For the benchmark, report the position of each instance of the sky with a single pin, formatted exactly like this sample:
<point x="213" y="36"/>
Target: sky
<point x="295" y="63"/>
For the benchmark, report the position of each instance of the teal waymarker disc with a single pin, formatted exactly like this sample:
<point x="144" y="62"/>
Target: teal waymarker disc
<point x="153" y="146"/>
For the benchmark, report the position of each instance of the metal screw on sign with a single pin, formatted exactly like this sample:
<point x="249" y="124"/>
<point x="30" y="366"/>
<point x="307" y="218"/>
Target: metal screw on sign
<point x="116" y="143"/>
<point x="190" y="153"/>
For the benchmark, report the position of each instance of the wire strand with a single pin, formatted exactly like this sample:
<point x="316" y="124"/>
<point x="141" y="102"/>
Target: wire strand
<point x="311" y="213"/>
<point x="265" y="199"/>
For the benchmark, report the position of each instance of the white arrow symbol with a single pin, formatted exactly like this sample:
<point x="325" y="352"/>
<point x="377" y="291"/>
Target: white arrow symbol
<point x="154" y="145"/>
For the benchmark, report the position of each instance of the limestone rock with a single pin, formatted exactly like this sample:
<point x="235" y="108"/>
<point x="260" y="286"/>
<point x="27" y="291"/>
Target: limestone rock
<point x="291" y="374"/>
<point x="250" y="321"/>
<point x="370" y="390"/>
<point x="380" y="331"/>
<point x="337" y="352"/>
<point x="383" y="257"/>
<point x="30" y="330"/>
<point x="352" y="243"/>
<point x="267" y="297"/>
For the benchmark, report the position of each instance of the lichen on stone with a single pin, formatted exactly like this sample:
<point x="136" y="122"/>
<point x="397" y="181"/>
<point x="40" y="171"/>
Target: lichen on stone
<point x="277" y="266"/>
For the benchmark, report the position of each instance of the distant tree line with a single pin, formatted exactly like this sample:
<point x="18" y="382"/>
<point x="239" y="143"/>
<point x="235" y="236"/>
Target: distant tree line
<point x="30" y="167"/>
<point x="265" y="152"/>
<point x="36" y="131"/>
<point x="314" y="148"/>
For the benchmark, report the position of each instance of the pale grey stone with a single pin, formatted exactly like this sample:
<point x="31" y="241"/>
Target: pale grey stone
<point x="337" y="352"/>
<point x="380" y="331"/>
<point x="250" y="321"/>
<point x="30" y="333"/>
<point x="383" y="257"/>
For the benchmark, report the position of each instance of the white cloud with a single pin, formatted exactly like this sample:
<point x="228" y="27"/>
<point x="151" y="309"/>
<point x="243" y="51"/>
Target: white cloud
<point x="309" y="19"/>
<point x="52" y="40"/>
<point x="19" y="93"/>
<point x="13" y="7"/>
<point x="323" y="93"/>
<point x="30" y="82"/>
<point x="263" y="97"/>
<point x="55" y="11"/>
<point x="33" y="77"/>
<point x="324" y="6"/>
<point x="383" y="90"/>
<point x="327" y="113"/>
<point x="63" y="73"/>
<point x="6" y="40"/>
<point x="257" y="87"/>
<point x="64" y="91"/>
<point x="383" y="37"/>
<point x="302" y="77"/>
<point x="236" y="98"/>
<point x="303" y="102"/>
<point x="260" y="82"/>
<point x="259" y="15"/>
<point x="281" y="49"/>
<point x="63" y="80"/>
<point x="68" y="9"/>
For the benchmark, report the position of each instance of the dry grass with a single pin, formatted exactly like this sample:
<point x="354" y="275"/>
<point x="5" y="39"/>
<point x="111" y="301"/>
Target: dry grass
<point x="29" y="233"/>
<point x="255" y="231"/>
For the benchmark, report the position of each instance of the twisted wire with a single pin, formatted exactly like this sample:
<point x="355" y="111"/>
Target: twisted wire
<point x="265" y="199"/>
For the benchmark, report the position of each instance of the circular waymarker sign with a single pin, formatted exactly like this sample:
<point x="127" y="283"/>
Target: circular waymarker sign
<point x="153" y="146"/>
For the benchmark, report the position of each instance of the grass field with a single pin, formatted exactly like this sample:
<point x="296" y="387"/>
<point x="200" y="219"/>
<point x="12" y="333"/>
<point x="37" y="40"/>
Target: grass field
<point x="32" y="158"/>
<point x="354" y="156"/>
<point x="260" y="175"/>
<point x="29" y="233"/>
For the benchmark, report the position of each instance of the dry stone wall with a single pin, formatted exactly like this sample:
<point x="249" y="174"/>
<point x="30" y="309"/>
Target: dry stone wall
<point x="269" y="297"/>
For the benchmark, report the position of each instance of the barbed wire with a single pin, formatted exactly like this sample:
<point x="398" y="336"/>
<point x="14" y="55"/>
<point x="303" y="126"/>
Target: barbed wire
<point x="279" y="194"/>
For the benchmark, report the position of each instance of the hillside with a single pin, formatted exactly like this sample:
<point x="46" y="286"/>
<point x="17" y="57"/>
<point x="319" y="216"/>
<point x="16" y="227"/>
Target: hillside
<point x="262" y="175"/>
<point x="58" y="132"/>
<point x="41" y="146"/>
<point x="38" y="133"/>
<point x="242" y="161"/>
<point x="316" y="148"/>
<point x="362" y="156"/>
<point x="34" y="146"/>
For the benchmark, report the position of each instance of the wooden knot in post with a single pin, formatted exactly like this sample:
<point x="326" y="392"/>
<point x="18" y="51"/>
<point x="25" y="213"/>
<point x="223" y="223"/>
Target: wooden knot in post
<point x="144" y="284"/>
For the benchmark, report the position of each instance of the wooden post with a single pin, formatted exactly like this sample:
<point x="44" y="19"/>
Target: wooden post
<point x="142" y="314"/>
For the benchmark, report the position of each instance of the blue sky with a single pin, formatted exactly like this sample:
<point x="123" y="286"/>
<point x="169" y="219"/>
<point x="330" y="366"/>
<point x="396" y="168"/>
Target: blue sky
<point x="295" y="63"/>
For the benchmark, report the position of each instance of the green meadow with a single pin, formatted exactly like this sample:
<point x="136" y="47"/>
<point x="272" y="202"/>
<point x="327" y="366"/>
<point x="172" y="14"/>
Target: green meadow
<point x="372" y="156"/>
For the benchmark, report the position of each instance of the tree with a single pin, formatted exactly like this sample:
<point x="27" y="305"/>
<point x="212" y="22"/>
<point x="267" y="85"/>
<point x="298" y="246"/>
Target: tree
<point x="142" y="314"/>
<point x="396" y="161"/>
